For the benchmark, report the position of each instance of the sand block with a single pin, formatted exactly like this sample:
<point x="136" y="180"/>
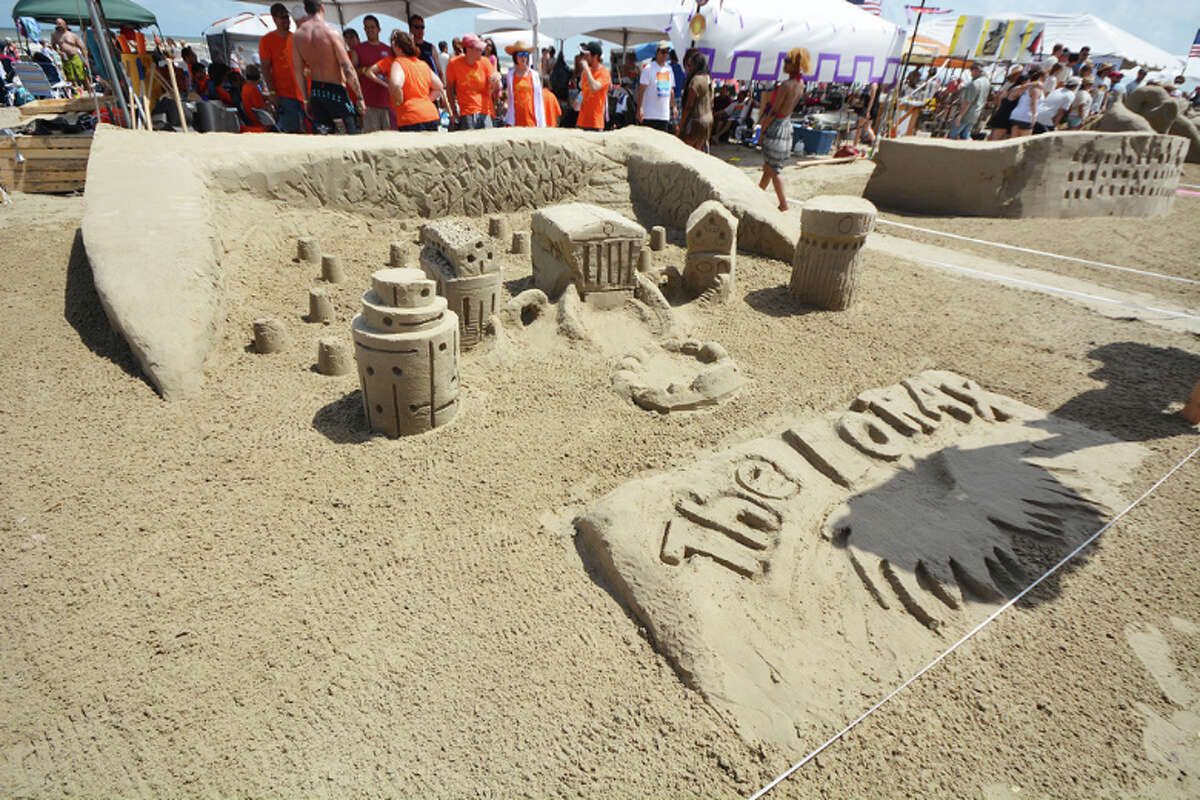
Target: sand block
<point x="270" y="336"/>
<point x="590" y="247"/>
<point x="1070" y="174"/>
<point x="760" y="576"/>
<point x="711" y="246"/>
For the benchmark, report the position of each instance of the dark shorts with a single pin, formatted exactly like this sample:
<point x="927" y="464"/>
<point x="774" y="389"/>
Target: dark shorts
<point x="330" y="102"/>
<point x="1022" y="125"/>
<point x="658" y="124"/>
<point x="432" y="125"/>
<point x="1040" y="128"/>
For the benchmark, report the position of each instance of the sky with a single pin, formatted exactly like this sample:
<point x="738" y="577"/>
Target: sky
<point x="1171" y="25"/>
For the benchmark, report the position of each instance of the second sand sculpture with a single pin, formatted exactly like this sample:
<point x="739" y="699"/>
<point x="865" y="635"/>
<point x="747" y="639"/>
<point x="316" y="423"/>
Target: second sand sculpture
<point x="593" y="248"/>
<point x="828" y="260"/>
<point x="462" y="262"/>
<point x="406" y="344"/>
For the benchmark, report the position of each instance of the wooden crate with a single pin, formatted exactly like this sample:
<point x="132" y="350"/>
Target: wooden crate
<point x="52" y="163"/>
<point x="63" y="105"/>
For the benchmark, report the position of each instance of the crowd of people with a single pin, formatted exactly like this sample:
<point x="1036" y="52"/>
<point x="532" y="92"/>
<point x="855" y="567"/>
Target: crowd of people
<point x="1059" y="93"/>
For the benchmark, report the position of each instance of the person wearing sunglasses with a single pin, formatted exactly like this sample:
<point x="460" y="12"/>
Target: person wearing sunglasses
<point x="275" y="56"/>
<point x="526" y="108"/>
<point x="416" y="28"/>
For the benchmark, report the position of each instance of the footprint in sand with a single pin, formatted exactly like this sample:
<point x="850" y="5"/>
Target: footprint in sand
<point x="1174" y="741"/>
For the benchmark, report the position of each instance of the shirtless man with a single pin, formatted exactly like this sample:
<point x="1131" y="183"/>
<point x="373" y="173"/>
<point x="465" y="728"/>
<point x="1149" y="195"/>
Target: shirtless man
<point x="73" y="51"/>
<point x="776" y="122"/>
<point x="318" y="47"/>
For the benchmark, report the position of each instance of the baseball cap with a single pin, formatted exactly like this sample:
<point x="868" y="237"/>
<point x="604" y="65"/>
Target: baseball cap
<point x="663" y="45"/>
<point x="592" y="47"/>
<point x="471" y="40"/>
<point x="1073" y="82"/>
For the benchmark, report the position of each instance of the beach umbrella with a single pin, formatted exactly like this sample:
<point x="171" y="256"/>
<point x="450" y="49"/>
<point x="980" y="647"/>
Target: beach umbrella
<point x="117" y="13"/>
<point x="618" y="21"/>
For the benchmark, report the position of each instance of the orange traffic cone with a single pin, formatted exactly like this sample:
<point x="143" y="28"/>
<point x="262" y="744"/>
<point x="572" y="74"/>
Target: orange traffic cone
<point x="1191" y="411"/>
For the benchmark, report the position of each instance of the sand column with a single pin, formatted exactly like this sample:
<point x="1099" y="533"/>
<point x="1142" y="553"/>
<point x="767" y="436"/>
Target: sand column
<point x="406" y="346"/>
<point x="828" y="258"/>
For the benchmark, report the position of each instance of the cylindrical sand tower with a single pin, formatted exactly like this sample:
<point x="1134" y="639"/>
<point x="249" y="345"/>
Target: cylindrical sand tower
<point x="406" y="346"/>
<point x="825" y="268"/>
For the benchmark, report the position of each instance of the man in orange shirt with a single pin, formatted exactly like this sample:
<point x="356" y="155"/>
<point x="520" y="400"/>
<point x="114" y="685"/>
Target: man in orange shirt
<point x="470" y="83"/>
<point x="275" y="55"/>
<point x="594" y="88"/>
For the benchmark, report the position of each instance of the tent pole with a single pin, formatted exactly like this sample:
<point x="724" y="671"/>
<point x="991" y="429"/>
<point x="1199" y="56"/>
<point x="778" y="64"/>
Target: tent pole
<point x="903" y="68"/>
<point x="106" y="55"/>
<point x="341" y="19"/>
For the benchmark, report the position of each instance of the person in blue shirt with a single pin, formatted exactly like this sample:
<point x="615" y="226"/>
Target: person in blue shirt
<point x="679" y="77"/>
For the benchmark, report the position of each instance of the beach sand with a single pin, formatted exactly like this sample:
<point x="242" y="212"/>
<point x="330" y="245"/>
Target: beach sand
<point x="246" y="593"/>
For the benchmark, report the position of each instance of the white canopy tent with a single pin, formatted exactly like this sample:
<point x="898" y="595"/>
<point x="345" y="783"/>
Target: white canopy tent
<point x="748" y="40"/>
<point x="618" y="21"/>
<point x="1107" y="41"/>
<point x="342" y="11"/>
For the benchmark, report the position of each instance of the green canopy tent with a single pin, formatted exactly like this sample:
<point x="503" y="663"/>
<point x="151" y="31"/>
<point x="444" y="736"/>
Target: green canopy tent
<point x="75" y="12"/>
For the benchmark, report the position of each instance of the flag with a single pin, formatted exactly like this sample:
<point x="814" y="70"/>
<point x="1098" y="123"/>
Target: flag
<point x="1195" y="52"/>
<point x="927" y="10"/>
<point x="870" y="6"/>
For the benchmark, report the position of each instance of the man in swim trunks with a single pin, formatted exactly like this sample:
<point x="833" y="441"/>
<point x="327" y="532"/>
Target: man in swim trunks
<point x="777" y="122"/>
<point x="73" y="51"/>
<point x="319" y="48"/>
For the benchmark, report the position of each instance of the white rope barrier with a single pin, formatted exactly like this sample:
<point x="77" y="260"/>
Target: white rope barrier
<point x="1059" y="290"/>
<point x="1040" y="252"/>
<point x="791" y="770"/>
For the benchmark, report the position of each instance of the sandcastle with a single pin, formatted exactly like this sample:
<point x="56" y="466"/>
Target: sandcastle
<point x="462" y="263"/>
<point x="711" y="247"/>
<point x="406" y="346"/>
<point x="1073" y="174"/>
<point x="592" y="248"/>
<point x="825" y="269"/>
<point x="156" y="264"/>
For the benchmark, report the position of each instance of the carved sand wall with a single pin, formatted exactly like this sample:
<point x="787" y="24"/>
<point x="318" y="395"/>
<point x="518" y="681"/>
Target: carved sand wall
<point x="152" y="199"/>
<point x="1075" y="174"/>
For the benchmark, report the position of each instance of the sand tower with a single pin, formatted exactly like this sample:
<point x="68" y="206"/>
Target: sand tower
<point x="463" y="265"/>
<point x="406" y="346"/>
<point x="828" y="259"/>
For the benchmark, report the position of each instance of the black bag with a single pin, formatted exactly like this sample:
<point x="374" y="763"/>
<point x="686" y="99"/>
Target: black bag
<point x="560" y="78"/>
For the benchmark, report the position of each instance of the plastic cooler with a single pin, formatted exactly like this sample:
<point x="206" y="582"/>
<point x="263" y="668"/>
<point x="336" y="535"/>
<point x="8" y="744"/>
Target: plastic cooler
<point x="816" y="142"/>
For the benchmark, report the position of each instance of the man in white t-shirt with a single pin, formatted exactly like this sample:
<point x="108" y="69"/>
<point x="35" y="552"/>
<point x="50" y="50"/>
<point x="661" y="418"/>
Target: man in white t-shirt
<point x="1052" y="109"/>
<point x="656" y="91"/>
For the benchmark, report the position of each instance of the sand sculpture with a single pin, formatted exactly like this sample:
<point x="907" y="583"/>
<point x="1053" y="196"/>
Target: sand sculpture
<point x="463" y="264"/>
<point x="406" y="347"/>
<point x="157" y="263"/>
<point x="333" y="357"/>
<point x="1146" y="109"/>
<point x="320" y="305"/>
<point x="520" y="243"/>
<point x="658" y="237"/>
<point x="307" y="250"/>
<point x="1075" y="174"/>
<point x="825" y="270"/>
<point x="869" y="536"/>
<point x="588" y="247"/>
<point x="653" y="377"/>
<point x="270" y="336"/>
<point x="711" y="247"/>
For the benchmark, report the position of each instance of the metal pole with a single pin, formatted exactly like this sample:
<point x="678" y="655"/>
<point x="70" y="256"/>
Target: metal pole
<point x="903" y="68"/>
<point x="106" y="55"/>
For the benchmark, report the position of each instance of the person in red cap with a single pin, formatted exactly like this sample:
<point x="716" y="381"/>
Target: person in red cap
<point x="593" y="85"/>
<point x="470" y="83"/>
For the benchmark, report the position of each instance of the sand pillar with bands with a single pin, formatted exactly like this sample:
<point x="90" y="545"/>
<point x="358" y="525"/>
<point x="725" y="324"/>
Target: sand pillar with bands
<point x="828" y="258"/>
<point x="406" y="345"/>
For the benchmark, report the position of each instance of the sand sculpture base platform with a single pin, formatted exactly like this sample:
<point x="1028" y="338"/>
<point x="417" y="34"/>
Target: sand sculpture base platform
<point x="1073" y="174"/>
<point x="870" y="536"/>
<point x="153" y="201"/>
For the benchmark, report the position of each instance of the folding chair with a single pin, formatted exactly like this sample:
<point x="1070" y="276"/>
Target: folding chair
<point x="34" y="80"/>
